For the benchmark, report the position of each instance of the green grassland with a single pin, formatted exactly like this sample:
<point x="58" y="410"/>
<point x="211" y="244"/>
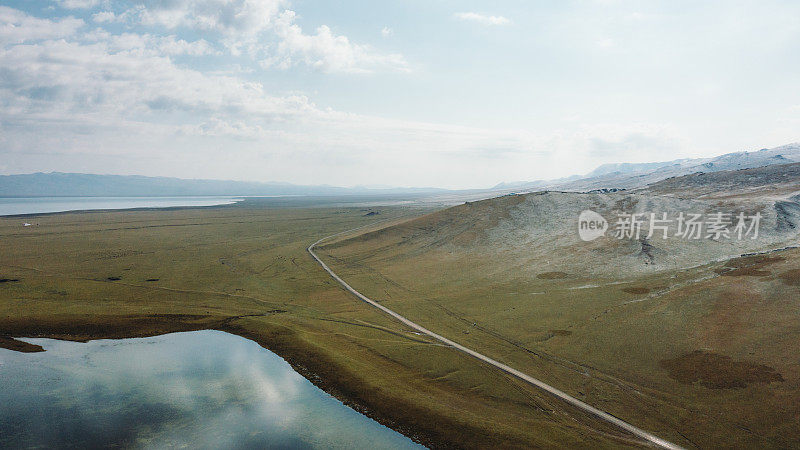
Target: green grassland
<point x="704" y="356"/>
<point x="244" y="269"/>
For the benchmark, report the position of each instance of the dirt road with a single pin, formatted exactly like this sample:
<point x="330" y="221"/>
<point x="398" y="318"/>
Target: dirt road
<point x="649" y="437"/>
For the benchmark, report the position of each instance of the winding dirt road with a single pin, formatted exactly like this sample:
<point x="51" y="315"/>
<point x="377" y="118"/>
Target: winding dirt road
<point x="649" y="437"/>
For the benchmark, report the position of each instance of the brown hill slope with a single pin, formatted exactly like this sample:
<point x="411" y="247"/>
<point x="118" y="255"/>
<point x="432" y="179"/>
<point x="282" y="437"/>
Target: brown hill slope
<point x="539" y="232"/>
<point x="680" y="337"/>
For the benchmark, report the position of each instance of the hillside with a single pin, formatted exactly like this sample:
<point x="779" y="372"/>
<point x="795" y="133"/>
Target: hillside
<point x="667" y="334"/>
<point x="534" y="233"/>
<point x="774" y="181"/>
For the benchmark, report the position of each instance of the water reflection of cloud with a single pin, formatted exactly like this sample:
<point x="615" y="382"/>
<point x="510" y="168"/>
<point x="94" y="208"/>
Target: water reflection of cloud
<point x="200" y="389"/>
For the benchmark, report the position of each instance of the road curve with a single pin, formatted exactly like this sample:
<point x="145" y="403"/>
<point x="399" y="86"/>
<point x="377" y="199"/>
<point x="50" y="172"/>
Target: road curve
<point x="649" y="437"/>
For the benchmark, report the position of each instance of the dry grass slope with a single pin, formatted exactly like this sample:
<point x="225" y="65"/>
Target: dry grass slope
<point x="692" y="342"/>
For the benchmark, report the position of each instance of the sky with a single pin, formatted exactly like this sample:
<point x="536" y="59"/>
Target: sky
<point x="439" y="93"/>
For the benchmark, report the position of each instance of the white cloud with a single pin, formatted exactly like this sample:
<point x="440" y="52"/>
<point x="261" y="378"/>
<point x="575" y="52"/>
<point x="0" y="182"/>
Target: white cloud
<point x="482" y="18"/>
<point x="262" y="29"/>
<point x="386" y="32"/>
<point x="17" y="27"/>
<point x="119" y="76"/>
<point x="148" y="44"/>
<point x="89" y="100"/>
<point x="170" y="45"/>
<point x="78" y="4"/>
<point x="98" y="96"/>
<point x="229" y="17"/>
<point x="326" y="51"/>
<point x="105" y="17"/>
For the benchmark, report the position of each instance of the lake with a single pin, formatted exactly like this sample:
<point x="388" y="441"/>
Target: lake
<point x="38" y="205"/>
<point x="204" y="389"/>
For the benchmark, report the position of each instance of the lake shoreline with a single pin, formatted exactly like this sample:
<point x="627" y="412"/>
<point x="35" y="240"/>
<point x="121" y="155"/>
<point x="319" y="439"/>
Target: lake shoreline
<point x="417" y="424"/>
<point x="176" y="389"/>
<point x="231" y="201"/>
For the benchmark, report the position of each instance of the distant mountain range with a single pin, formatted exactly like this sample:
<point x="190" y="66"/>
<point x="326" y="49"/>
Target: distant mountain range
<point x="89" y="185"/>
<point x="607" y="176"/>
<point x="633" y="175"/>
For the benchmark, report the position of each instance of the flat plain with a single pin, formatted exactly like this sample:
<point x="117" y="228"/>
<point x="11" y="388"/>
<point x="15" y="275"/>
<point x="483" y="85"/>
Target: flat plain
<point x="696" y="346"/>
<point x="244" y="269"/>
